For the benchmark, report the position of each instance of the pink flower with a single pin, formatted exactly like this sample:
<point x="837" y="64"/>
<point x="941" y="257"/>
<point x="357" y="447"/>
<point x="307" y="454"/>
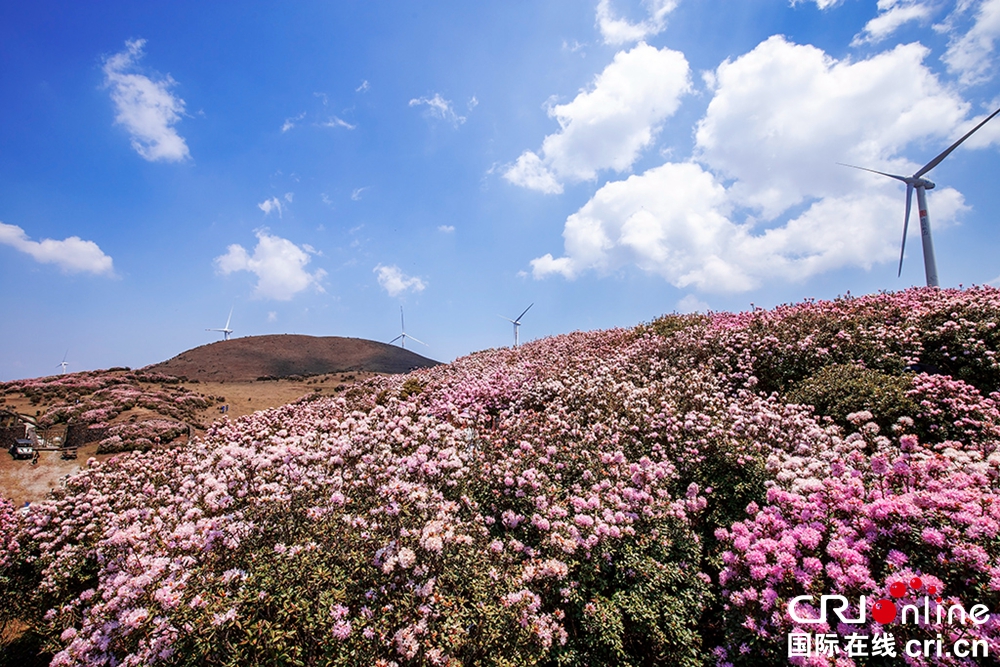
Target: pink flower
<point x="933" y="536"/>
<point x="341" y="629"/>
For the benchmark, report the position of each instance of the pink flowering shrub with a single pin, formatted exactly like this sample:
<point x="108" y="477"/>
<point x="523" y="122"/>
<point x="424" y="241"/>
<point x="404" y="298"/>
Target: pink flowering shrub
<point x="641" y="497"/>
<point x="8" y="533"/>
<point x="951" y="410"/>
<point x="408" y="531"/>
<point x="9" y="550"/>
<point x="140" y="436"/>
<point x="839" y="390"/>
<point x="99" y="396"/>
<point x="870" y="520"/>
<point x="948" y="331"/>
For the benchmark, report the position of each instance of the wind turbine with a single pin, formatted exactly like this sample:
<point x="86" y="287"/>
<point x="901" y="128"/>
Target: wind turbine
<point x="63" y="364"/>
<point x="517" y="322"/>
<point x="920" y="184"/>
<point x="226" y="330"/>
<point x="403" y="336"/>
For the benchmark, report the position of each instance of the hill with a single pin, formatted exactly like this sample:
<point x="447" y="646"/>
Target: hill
<point x="663" y="495"/>
<point x="286" y="355"/>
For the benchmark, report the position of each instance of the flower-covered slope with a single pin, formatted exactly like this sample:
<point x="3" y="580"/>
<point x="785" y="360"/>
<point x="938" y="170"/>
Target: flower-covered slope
<point x="631" y="497"/>
<point x="100" y="401"/>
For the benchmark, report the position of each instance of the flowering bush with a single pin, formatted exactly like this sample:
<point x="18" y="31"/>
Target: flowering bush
<point x="8" y="533"/>
<point x="866" y="521"/>
<point x="9" y="548"/>
<point x="839" y="390"/>
<point x="646" y="496"/>
<point x="140" y="436"/>
<point x="951" y="332"/>
<point x="92" y="397"/>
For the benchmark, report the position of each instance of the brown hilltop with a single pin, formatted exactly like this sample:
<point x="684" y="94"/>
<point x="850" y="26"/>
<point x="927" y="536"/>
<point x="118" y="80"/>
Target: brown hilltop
<point x="285" y="355"/>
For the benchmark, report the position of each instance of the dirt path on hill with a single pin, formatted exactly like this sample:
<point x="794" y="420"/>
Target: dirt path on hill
<point x="22" y="482"/>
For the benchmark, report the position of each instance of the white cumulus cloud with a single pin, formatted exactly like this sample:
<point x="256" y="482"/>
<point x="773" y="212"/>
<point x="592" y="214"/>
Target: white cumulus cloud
<point x="73" y="254"/>
<point x="529" y="171"/>
<point x="395" y="282"/>
<point x="676" y="221"/>
<point x="272" y="204"/>
<point x="784" y="114"/>
<point x="438" y="107"/>
<point x="608" y="126"/>
<point x="338" y="122"/>
<point x="822" y="4"/>
<point x="618" y="31"/>
<point x="780" y="118"/>
<point x="292" y="122"/>
<point x="972" y="55"/>
<point x="891" y="15"/>
<point x="279" y="264"/>
<point x="146" y="108"/>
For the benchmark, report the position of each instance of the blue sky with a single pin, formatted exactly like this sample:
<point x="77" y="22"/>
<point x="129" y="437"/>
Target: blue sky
<point x="316" y="165"/>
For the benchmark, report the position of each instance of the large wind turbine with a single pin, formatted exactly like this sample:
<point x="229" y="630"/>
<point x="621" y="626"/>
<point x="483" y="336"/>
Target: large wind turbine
<point x="920" y="184"/>
<point x="517" y="322"/>
<point x="226" y="330"/>
<point x="403" y="336"/>
<point x="63" y="364"/>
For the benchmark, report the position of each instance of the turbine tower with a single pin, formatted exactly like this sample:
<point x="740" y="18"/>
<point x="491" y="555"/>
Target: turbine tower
<point x="226" y="330"/>
<point x="921" y="185"/>
<point x="517" y="322"/>
<point x="403" y="336"/>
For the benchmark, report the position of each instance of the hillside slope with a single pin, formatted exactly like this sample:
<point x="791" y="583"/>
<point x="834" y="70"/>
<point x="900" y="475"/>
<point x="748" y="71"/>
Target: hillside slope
<point x="284" y="355"/>
<point x="664" y="495"/>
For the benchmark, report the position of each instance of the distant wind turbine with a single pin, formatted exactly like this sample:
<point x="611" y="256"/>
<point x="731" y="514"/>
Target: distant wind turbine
<point x="225" y="330"/>
<point x="403" y="336"/>
<point x="63" y="364"/>
<point x="920" y="184"/>
<point x="517" y="322"/>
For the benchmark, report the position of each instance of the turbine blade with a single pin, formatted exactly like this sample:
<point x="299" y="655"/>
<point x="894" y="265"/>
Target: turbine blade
<point x="507" y="318"/>
<point x="936" y="161"/>
<point x="906" y="224"/>
<point x="896" y="176"/>
<point x="229" y="319"/>
<point x="394" y="339"/>
<point x="522" y="314"/>
<point x="402" y="326"/>
<point x="417" y="340"/>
